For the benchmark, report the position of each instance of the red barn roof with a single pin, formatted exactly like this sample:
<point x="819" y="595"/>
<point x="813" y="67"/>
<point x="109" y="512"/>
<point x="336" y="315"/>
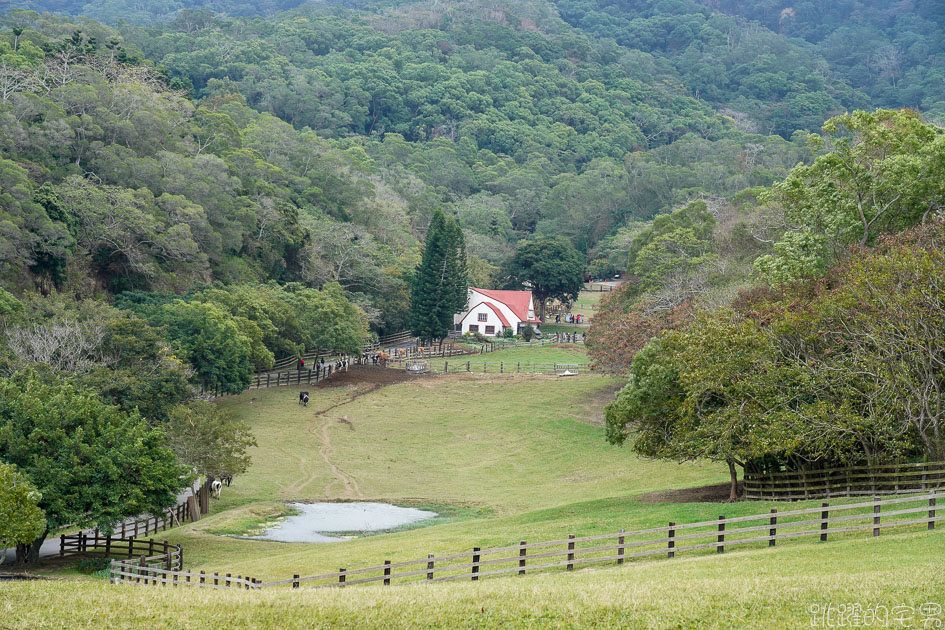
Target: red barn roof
<point x="518" y="301"/>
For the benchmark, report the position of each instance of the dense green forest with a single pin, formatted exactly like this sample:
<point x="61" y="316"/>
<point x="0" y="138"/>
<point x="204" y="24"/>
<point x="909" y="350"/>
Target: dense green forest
<point x="259" y="179"/>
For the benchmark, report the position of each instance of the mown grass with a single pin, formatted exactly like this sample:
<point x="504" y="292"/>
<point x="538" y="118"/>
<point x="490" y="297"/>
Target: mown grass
<point x="512" y="356"/>
<point x="502" y="459"/>
<point x="521" y="458"/>
<point x="759" y="588"/>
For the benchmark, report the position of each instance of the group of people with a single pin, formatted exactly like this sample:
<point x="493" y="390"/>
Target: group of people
<point x="572" y="337"/>
<point x="569" y="318"/>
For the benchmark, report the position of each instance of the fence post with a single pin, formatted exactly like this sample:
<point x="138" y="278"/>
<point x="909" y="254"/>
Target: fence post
<point x="467" y="366"/>
<point x="188" y="576"/>
<point x="108" y="545"/>
<point x="620" y="540"/>
<point x="932" y="510"/>
<point x="150" y="546"/>
<point x="773" y="532"/>
<point x="518" y="366"/>
<point x="671" y="540"/>
<point x="475" y="563"/>
<point x="140" y="571"/>
<point x="446" y="367"/>
<point x="62" y="545"/>
<point x="216" y="578"/>
<point x="131" y="546"/>
<point x="522" y="550"/>
<point x="341" y="576"/>
<point x="721" y="547"/>
<point x="202" y="579"/>
<point x="295" y="580"/>
<point x="268" y="376"/>
<point x="387" y="573"/>
<point x="570" y="552"/>
<point x="876" y="507"/>
<point x="501" y="367"/>
<point x="484" y="364"/>
<point x="429" y="566"/>
<point x="823" y="522"/>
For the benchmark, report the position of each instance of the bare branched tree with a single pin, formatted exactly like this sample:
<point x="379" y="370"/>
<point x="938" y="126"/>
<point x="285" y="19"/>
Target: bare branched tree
<point x="67" y="345"/>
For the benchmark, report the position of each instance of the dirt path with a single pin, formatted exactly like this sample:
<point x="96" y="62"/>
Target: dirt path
<point x="319" y="427"/>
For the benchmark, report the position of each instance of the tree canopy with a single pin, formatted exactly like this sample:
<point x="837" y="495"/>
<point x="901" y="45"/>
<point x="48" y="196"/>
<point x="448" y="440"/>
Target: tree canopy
<point x="93" y="464"/>
<point x="550" y="267"/>
<point x="440" y="282"/>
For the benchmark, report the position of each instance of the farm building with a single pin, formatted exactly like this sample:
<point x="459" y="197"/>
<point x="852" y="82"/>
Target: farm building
<point x="491" y="312"/>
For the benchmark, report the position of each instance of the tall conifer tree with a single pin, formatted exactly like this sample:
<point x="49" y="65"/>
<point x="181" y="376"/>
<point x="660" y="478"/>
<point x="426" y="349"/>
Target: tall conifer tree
<point x="439" y="287"/>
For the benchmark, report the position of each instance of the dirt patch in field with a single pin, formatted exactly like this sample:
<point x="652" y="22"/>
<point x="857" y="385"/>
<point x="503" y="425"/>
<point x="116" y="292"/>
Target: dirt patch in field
<point x="368" y="375"/>
<point x="717" y="493"/>
<point x="594" y="408"/>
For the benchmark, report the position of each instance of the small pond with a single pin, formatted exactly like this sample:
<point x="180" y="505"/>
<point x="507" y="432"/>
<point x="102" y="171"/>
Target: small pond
<point x="316" y="521"/>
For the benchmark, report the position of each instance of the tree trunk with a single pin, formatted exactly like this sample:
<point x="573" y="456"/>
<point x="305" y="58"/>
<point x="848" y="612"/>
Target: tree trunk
<point x="733" y="490"/>
<point x="29" y="554"/>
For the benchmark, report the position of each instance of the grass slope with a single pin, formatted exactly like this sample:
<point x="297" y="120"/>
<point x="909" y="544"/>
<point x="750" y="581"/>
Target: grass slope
<point x="518" y="456"/>
<point x="765" y="588"/>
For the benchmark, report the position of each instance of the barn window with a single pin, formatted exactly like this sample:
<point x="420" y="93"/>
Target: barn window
<point x="482" y="317"/>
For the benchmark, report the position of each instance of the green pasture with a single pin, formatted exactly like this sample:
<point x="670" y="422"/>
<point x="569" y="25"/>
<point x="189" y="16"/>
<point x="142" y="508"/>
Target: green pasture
<point x="785" y="587"/>
<point x="524" y="354"/>
<point x="503" y="458"/>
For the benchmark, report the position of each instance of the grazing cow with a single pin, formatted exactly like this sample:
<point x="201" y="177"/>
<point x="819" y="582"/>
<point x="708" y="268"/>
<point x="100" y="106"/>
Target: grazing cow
<point x="215" y="488"/>
<point x="227" y="479"/>
<point x="303" y="399"/>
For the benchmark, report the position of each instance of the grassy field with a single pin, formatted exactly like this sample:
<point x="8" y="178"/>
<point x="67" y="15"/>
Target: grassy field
<point x="548" y="353"/>
<point x="780" y="588"/>
<point x="502" y="459"/>
<point x="535" y="468"/>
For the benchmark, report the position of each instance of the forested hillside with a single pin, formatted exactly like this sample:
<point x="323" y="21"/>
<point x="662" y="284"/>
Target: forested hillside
<point x="892" y="51"/>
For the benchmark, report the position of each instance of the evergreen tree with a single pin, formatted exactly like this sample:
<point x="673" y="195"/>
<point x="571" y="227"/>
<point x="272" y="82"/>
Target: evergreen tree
<point x="439" y="287"/>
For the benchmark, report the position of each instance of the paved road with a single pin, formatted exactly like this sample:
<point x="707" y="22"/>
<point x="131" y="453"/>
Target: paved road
<point x="51" y="545"/>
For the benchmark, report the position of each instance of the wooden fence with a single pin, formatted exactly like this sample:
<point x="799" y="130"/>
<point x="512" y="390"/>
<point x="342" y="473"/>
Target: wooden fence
<point x="495" y="367"/>
<point x="501" y="344"/>
<point x="124" y="539"/>
<point x="152" y="569"/>
<point x="397" y="339"/>
<point x="291" y="377"/>
<point x="845" y="482"/>
<point x="310" y="355"/>
<point x="110" y="546"/>
<point x="759" y="530"/>
<point x="167" y="568"/>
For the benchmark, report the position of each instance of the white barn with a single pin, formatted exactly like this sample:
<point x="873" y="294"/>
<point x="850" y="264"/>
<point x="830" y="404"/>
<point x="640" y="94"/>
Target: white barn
<point x="490" y="312"/>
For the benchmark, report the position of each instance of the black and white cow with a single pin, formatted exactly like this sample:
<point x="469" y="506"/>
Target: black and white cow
<point x="303" y="399"/>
